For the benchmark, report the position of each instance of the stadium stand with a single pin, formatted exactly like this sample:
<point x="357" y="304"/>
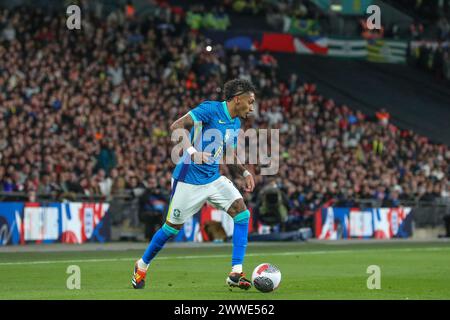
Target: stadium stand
<point x="87" y="112"/>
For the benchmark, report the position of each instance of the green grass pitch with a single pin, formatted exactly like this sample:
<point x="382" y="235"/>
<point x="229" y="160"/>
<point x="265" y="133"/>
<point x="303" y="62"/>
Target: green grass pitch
<point x="409" y="270"/>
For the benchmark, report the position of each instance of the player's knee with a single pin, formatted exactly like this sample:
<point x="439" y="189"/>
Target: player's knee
<point x="237" y="207"/>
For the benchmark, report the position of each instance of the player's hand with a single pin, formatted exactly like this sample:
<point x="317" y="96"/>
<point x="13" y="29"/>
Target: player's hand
<point x="249" y="183"/>
<point x="201" y="157"/>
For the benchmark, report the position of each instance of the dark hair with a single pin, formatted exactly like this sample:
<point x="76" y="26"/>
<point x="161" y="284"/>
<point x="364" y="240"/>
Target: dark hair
<point x="237" y="87"/>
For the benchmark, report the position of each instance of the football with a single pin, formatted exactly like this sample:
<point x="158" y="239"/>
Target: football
<point x="266" y="277"/>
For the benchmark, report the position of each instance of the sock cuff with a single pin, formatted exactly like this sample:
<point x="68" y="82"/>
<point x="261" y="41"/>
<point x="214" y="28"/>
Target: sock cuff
<point x="242" y="217"/>
<point x="169" y="230"/>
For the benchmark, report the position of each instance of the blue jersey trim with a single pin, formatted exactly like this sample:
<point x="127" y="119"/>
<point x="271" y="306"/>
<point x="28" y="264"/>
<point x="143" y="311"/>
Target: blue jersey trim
<point x="244" y="216"/>
<point x="169" y="230"/>
<point x="225" y="109"/>
<point x="193" y="116"/>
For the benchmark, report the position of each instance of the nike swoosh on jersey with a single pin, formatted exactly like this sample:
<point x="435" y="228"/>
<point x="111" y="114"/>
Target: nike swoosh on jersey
<point x="222" y="122"/>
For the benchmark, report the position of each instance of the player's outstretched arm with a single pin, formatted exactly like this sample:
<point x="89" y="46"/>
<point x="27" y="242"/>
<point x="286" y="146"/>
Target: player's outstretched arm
<point x="182" y="127"/>
<point x="185" y="122"/>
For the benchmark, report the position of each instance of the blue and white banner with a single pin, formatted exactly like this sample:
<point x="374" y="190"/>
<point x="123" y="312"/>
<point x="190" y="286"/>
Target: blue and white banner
<point x="379" y="223"/>
<point x="70" y="222"/>
<point x="10" y="214"/>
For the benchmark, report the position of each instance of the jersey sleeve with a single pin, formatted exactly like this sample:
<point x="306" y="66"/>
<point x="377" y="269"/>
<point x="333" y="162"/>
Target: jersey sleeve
<point x="204" y="112"/>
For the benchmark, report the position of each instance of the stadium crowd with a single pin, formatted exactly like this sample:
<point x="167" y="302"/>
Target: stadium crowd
<point x="432" y="57"/>
<point x="87" y="111"/>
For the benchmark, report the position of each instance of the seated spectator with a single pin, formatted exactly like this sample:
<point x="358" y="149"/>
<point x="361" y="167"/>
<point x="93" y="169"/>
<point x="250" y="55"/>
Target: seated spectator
<point x="104" y="183"/>
<point x="443" y="29"/>
<point x="416" y="30"/>
<point x="383" y="117"/>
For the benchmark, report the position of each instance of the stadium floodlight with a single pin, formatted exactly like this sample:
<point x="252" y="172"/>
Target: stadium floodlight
<point x="336" y="7"/>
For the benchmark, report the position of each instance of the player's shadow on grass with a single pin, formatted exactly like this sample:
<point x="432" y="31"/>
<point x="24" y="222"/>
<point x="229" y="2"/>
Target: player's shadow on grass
<point x="251" y="291"/>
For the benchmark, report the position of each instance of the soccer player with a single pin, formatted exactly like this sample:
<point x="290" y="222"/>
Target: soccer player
<point x="196" y="178"/>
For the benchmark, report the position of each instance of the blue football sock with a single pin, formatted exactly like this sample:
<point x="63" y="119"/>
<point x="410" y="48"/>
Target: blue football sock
<point x="158" y="241"/>
<point x="240" y="235"/>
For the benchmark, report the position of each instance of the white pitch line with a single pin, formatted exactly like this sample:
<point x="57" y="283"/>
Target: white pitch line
<point x="290" y="253"/>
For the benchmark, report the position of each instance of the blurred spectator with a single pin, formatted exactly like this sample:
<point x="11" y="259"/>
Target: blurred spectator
<point x="9" y="33"/>
<point x="216" y="18"/>
<point x="130" y="11"/>
<point x="106" y="159"/>
<point x="153" y="205"/>
<point x="104" y="183"/>
<point x="443" y="29"/>
<point x="432" y="57"/>
<point x="383" y="117"/>
<point x="416" y="29"/>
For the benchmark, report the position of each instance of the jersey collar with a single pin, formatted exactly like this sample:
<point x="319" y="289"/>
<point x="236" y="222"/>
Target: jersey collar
<point x="225" y="109"/>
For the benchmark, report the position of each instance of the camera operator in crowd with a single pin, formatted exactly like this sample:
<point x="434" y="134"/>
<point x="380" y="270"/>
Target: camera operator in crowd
<point x="272" y="205"/>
